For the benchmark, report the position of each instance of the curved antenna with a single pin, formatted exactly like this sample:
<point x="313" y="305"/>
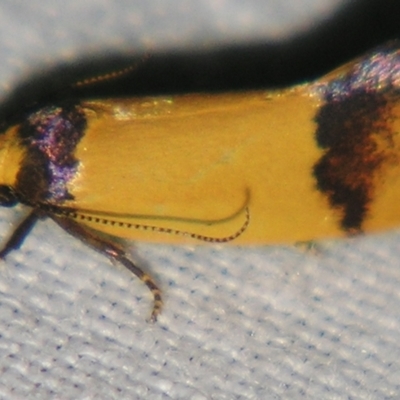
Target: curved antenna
<point x="77" y="215"/>
<point x="67" y="211"/>
<point x="103" y="218"/>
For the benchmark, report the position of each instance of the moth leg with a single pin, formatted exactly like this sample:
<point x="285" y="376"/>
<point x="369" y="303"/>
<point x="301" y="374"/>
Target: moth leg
<point x="20" y="233"/>
<point x="114" y="252"/>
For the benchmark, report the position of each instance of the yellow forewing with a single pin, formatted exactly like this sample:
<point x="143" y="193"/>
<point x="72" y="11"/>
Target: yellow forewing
<point x="206" y="158"/>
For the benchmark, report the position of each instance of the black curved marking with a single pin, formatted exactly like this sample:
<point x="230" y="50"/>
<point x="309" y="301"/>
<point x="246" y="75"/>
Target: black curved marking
<point x="348" y="131"/>
<point x="354" y="127"/>
<point x="50" y="137"/>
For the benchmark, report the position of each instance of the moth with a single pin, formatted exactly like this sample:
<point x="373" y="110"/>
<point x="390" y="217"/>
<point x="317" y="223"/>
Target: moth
<point x="320" y="159"/>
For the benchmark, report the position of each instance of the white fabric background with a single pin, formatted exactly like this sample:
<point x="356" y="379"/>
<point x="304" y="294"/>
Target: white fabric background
<point x="239" y="323"/>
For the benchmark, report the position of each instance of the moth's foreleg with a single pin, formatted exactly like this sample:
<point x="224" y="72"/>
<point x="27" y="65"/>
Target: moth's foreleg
<point x="20" y="233"/>
<point x="114" y="252"/>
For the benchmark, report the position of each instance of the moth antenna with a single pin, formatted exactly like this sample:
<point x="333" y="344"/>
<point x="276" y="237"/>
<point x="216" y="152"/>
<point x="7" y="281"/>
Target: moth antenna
<point x="152" y="228"/>
<point x="109" y="75"/>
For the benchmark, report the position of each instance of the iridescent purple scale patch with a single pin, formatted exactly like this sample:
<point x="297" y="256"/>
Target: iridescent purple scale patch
<point x="50" y="137"/>
<point x="375" y="73"/>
